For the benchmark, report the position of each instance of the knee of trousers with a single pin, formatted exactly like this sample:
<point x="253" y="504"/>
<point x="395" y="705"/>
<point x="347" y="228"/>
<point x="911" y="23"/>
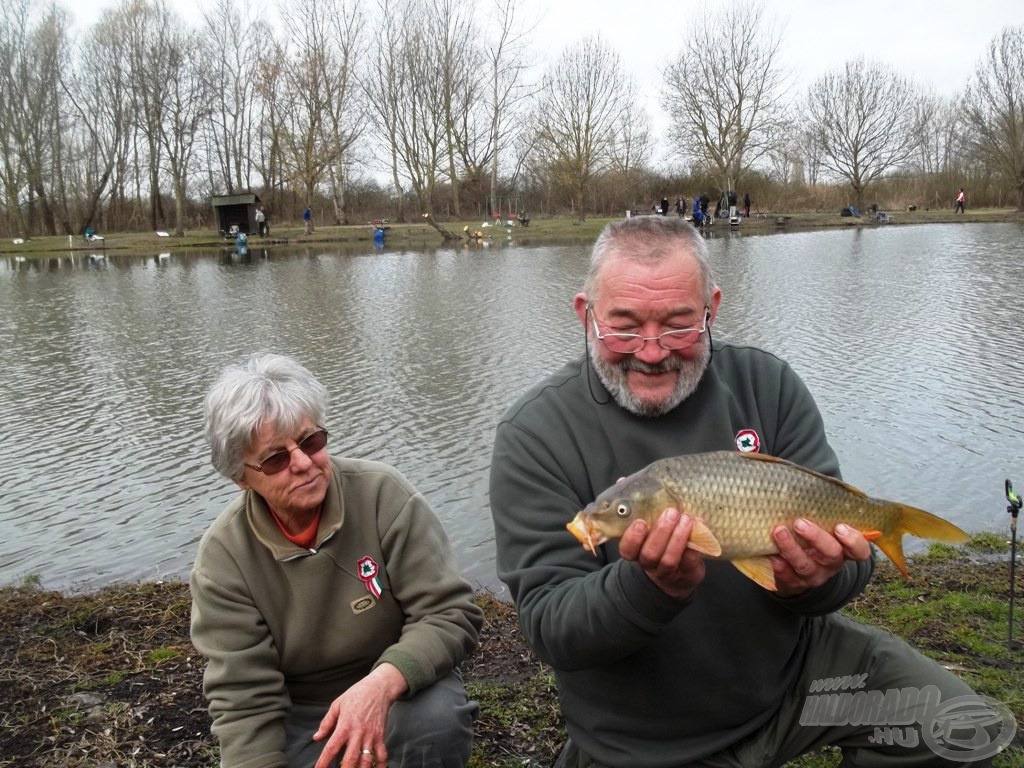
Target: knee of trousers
<point x="434" y="728"/>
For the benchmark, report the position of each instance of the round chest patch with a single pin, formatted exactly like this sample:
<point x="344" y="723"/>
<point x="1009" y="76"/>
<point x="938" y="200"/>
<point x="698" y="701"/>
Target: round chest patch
<point x="747" y="441"/>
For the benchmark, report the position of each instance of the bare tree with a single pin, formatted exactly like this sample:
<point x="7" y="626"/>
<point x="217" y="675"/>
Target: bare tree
<point x="808" y="158"/>
<point x="346" y="116"/>
<point x="100" y="92"/>
<point x="784" y="162"/>
<point x="14" y="23"/>
<point x="147" y="30"/>
<point x="319" y="114"/>
<point x="585" y="98"/>
<point x="451" y="35"/>
<point x="507" y="92"/>
<point x="33" y="53"/>
<point x="632" y="146"/>
<point x="937" y="128"/>
<point x="994" y="108"/>
<point x="229" y="31"/>
<point x="409" y="114"/>
<point x="943" y="156"/>
<point x="10" y="171"/>
<point x="861" y="119"/>
<point x="725" y="90"/>
<point x="383" y="90"/>
<point x="270" y="87"/>
<point x="187" y="105"/>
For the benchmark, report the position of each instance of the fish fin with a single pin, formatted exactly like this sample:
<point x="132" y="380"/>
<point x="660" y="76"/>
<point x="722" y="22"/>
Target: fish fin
<point x="758" y="570"/>
<point x="918" y="523"/>
<point x="871" y="535"/>
<point x="892" y="545"/>
<point x="703" y="540"/>
<point x="827" y="478"/>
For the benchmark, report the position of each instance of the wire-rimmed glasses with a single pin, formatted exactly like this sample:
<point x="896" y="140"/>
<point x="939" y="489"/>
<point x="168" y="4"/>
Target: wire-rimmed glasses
<point x="631" y="343"/>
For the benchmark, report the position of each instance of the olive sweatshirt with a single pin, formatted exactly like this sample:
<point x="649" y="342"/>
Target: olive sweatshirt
<point x="280" y="624"/>
<point x="647" y="681"/>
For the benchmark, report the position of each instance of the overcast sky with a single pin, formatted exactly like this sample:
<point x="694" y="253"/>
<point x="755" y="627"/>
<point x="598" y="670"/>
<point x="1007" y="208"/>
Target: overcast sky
<point x="937" y="42"/>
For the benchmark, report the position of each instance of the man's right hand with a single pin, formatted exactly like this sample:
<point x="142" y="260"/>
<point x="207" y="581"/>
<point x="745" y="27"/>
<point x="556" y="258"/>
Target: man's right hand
<point x="661" y="551"/>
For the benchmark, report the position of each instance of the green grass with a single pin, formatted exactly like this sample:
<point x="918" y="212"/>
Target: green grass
<point x="158" y="655"/>
<point x="988" y="542"/>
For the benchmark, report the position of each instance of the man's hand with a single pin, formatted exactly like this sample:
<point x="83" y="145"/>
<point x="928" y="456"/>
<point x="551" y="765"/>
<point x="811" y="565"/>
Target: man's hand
<point x="803" y="565"/>
<point x="662" y="553"/>
<point x="357" y="718"/>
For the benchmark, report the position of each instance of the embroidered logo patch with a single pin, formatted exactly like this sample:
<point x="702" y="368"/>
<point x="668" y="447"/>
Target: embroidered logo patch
<point x="747" y="441"/>
<point x="363" y="604"/>
<point x="368" y="572"/>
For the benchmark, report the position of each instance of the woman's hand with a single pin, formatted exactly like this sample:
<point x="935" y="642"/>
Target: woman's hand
<point x="356" y="720"/>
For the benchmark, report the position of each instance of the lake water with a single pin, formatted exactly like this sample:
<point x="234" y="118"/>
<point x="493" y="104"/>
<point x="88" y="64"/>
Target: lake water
<point x="909" y="338"/>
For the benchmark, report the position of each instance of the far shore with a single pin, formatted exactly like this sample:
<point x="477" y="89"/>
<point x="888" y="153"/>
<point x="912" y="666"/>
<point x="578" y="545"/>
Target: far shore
<point x="418" y="234"/>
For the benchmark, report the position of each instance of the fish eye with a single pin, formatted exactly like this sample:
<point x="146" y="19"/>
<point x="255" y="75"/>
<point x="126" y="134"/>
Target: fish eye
<point x="622" y="510"/>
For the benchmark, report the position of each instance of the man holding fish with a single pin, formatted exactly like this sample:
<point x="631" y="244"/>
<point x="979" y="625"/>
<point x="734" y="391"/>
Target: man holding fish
<point x="698" y="620"/>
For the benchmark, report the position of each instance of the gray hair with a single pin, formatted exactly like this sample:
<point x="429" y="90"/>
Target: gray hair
<point x="649" y="240"/>
<point x="265" y="389"/>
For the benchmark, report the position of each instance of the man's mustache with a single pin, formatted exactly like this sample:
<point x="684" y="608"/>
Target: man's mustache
<point x="671" y="363"/>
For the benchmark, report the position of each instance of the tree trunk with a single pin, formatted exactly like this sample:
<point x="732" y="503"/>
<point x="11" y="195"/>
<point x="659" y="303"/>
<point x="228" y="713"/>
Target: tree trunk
<point x="179" y="206"/>
<point x="447" y="235"/>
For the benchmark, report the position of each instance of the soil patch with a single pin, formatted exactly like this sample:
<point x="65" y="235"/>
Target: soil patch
<point x="110" y="678"/>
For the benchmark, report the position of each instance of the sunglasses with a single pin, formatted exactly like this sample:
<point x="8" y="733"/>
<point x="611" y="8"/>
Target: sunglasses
<point x="277" y="462"/>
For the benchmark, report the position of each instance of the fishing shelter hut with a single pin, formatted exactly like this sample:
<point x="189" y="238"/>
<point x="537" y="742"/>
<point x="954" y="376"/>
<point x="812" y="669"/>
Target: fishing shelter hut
<point x="238" y="211"/>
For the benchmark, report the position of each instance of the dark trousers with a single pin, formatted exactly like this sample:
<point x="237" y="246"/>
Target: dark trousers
<point x="433" y="729"/>
<point x="841" y="647"/>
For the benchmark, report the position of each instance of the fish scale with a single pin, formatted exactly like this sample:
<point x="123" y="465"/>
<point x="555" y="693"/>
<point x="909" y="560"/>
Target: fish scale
<point x="738" y="499"/>
<point x="767" y="495"/>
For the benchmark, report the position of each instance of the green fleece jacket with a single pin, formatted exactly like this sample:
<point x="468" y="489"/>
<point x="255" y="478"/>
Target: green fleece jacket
<point x="647" y="681"/>
<point x="279" y="623"/>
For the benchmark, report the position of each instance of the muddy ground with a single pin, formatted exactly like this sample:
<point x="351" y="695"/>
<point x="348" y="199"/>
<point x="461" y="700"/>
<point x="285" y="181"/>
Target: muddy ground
<point x="109" y="678"/>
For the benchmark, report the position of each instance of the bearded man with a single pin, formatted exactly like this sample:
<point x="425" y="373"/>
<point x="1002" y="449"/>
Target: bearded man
<point x="662" y="658"/>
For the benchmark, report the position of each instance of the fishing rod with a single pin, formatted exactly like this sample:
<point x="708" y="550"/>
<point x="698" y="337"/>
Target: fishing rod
<point x="1013" y="507"/>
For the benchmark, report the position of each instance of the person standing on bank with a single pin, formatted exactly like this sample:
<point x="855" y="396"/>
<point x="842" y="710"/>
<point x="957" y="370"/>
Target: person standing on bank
<point x="326" y="599"/>
<point x="961" y="198"/>
<point x="746" y="205"/>
<point x="261" y="221"/>
<point x="663" y="658"/>
<point x="307" y="219"/>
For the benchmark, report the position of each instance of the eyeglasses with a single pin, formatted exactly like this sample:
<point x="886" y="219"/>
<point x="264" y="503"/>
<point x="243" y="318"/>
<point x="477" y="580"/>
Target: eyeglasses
<point x="276" y="462"/>
<point x="631" y="343"/>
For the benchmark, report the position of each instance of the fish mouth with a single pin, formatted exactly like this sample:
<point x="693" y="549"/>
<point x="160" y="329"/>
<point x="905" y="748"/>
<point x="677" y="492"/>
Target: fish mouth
<point x="587" y="535"/>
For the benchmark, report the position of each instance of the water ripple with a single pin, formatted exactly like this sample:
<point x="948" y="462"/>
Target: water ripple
<point x="903" y="334"/>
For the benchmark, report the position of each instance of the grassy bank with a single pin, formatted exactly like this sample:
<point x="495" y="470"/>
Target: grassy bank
<point x="418" y="234"/>
<point x="109" y="678"/>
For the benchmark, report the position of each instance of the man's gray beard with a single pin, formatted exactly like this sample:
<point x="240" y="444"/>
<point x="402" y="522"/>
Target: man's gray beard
<point x="614" y="376"/>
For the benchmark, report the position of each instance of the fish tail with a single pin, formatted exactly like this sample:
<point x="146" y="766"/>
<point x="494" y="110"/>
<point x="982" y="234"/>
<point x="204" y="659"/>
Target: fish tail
<point x="918" y="523"/>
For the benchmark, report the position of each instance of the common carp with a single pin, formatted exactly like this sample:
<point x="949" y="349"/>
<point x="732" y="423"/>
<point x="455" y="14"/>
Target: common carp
<point x="737" y="499"/>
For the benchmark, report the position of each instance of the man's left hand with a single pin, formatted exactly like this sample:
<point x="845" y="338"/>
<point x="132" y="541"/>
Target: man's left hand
<point x="802" y="565"/>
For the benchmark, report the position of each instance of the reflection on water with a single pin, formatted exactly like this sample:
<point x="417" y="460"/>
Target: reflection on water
<point x="906" y="335"/>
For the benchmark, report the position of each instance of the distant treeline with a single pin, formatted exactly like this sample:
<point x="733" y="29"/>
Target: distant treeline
<point x="367" y="109"/>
